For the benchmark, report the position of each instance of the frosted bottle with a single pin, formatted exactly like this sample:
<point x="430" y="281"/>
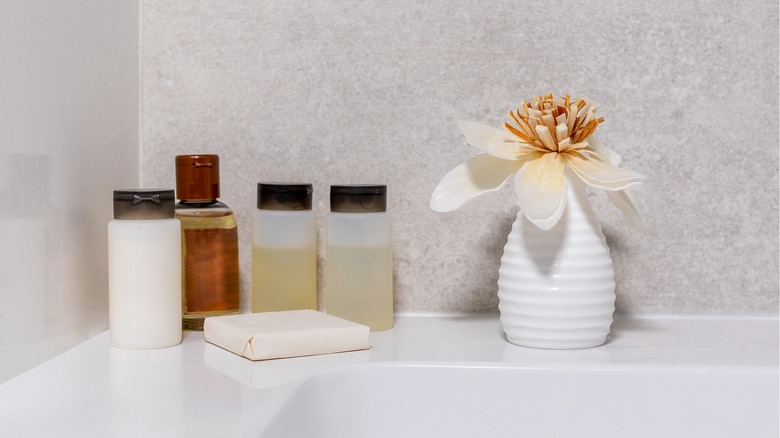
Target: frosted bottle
<point x="359" y="257"/>
<point x="210" y="281"/>
<point x="284" y="248"/>
<point x="144" y="270"/>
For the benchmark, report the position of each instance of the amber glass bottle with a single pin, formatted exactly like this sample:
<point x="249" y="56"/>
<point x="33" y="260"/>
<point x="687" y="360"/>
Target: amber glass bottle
<point x="209" y="242"/>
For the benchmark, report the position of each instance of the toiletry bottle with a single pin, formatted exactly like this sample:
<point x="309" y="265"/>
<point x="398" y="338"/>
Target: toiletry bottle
<point x="284" y="249"/>
<point x="209" y="242"/>
<point x="144" y="270"/>
<point x="359" y="258"/>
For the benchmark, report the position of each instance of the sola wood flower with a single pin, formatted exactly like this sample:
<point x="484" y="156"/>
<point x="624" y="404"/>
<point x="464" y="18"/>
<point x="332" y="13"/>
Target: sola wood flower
<point x="538" y="144"/>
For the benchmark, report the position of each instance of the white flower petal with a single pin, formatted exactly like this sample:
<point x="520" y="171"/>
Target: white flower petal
<point x="613" y="157"/>
<point x="541" y="189"/>
<point x="624" y="201"/>
<point x="483" y="173"/>
<point x="495" y="141"/>
<point x="598" y="173"/>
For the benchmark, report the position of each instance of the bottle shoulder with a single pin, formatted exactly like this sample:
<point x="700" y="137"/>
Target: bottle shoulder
<point x="202" y="209"/>
<point x="205" y="215"/>
<point x="145" y="225"/>
<point x="189" y="205"/>
<point x="143" y="222"/>
<point x="377" y="217"/>
<point x="283" y="213"/>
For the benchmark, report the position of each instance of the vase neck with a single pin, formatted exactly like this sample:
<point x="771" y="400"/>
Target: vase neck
<point x="576" y="189"/>
<point x="577" y="210"/>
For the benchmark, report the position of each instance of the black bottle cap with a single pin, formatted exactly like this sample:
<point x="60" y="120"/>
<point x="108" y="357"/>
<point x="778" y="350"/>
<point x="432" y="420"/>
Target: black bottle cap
<point x="284" y="196"/>
<point x="358" y="198"/>
<point x="139" y="204"/>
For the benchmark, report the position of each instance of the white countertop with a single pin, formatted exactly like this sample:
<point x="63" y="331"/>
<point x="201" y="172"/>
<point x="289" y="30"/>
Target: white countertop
<point x="197" y="389"/>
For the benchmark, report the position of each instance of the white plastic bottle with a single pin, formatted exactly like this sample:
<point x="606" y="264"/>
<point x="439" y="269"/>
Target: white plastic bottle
<point x="284" y="248"/>
<point x="144" y="270"/>
<point x="359" y="263"/>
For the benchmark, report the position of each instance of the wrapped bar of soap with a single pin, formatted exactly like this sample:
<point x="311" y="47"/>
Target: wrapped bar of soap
<point x="292" y="333"/>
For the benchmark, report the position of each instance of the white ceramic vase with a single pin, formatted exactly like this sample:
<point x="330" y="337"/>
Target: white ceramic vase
<point x="556" y="288"/>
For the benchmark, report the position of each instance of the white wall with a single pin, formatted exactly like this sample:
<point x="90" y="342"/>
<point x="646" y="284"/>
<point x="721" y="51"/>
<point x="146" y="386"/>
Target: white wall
<point x="68" y="136"/>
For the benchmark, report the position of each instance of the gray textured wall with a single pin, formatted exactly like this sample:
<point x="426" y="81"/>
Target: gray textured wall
<point x="350" y="92"/>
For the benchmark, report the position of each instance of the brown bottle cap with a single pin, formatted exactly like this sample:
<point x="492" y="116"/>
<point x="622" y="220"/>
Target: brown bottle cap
<point x="197" y="177"/>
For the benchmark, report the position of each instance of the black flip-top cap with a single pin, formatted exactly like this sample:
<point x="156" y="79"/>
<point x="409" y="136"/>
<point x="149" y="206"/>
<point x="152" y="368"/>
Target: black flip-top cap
<point x="138" y="204"/>
<point x="284" y="196"/>
<point x="362" y="198"/>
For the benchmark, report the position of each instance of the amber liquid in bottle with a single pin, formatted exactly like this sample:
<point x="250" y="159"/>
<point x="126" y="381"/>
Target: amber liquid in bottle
<point x="210" y="280"/>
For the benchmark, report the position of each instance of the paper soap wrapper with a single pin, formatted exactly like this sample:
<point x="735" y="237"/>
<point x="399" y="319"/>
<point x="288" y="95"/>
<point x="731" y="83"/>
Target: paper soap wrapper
<point x="292" y="333"/>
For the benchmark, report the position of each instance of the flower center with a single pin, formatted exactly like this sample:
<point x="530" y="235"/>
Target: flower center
<point x="553" y="124"/>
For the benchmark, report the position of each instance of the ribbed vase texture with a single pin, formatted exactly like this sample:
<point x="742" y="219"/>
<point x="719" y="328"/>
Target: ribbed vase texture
<point x="556" y="288"/>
